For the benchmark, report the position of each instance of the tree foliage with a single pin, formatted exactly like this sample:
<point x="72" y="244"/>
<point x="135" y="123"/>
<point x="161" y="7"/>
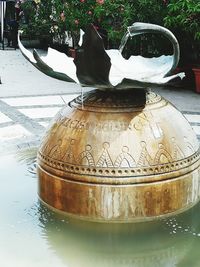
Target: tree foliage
<point x="184" y="15"/>
<point x="54" y="17"/>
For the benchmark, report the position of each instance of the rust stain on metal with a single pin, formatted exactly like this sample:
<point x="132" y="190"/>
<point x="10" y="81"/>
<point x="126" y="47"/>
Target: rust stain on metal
<point x="118" y="159"/>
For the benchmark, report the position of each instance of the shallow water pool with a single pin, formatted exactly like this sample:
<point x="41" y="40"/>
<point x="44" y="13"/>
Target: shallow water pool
<point x="32" y="235"/>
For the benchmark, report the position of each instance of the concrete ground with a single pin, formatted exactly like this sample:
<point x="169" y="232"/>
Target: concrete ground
<point x="29" y="99"/>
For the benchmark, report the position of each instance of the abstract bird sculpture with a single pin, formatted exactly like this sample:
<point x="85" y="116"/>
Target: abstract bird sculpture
<point x="96" y="67"/>
<point x="119" y="153"/>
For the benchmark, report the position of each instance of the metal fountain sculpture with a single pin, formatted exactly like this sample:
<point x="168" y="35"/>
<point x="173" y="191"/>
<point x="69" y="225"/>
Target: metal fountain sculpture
<point x="119" y="153"/>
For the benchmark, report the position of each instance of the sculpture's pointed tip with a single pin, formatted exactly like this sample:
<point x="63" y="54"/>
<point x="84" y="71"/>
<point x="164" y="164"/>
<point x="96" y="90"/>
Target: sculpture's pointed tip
<point x="91" y="34"/>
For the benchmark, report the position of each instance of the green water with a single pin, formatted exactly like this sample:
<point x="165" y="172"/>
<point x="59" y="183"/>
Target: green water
<point x="32" y="235"/>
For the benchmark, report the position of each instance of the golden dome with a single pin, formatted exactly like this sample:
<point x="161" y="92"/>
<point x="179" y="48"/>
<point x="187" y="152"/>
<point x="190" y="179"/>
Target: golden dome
<point x="123" y="156"/>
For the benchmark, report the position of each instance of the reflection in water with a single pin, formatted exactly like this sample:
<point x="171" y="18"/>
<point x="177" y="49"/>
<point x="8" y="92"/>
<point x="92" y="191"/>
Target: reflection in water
<point x="54" y="238"/>
<point x="28" y="156"/>
<point x="165" y="243"/>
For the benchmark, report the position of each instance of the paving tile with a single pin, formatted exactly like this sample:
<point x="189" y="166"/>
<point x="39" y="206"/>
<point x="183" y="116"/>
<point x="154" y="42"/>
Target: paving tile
<point x="196" y="129"/>
<point x="4" y="118"/>
<point x="68" y="98"/>
<point x="193" y="117"/>
<point x="36" y="113"/>
<point x="44" y="123"/>
<point x="36" y="100"/>
<point x="13" y="132"/>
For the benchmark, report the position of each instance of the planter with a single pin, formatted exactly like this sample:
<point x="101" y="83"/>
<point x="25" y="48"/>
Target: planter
<point x="197" y="78"/>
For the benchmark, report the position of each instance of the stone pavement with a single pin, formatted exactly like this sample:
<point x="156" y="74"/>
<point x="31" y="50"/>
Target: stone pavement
<point x="29" y="99"/>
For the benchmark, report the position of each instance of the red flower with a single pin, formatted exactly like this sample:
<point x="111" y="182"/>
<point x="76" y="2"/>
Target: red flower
<point x="100" y="2"/>
<point x="62" y="16"/>
<point x="89" y="12"/>
<point x="76" y="21"/>
<point x="96" y="27"/>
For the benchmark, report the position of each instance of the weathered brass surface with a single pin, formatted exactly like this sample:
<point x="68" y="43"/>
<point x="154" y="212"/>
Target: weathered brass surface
<point x="123" y="156"/>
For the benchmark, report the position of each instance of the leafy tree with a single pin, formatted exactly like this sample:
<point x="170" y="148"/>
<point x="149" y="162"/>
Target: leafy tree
<point x="183" y="17"/>
<point x="111" y="18"/>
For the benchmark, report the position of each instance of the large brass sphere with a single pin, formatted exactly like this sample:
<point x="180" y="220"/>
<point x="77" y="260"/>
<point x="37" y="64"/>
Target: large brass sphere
<point x="119" y="156"/>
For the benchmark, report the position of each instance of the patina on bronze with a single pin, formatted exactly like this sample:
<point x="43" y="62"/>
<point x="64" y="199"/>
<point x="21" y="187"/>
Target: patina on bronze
<point x="119" y="156"/>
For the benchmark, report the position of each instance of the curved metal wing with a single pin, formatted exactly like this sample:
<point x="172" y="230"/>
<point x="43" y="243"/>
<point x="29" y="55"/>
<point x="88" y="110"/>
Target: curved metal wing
<point x="96" y="67"/>
<point x="52" y="69"/>
<point x="138" y="28"/>
<point x="92" y="62"/>
<point x="138" y="71"/>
